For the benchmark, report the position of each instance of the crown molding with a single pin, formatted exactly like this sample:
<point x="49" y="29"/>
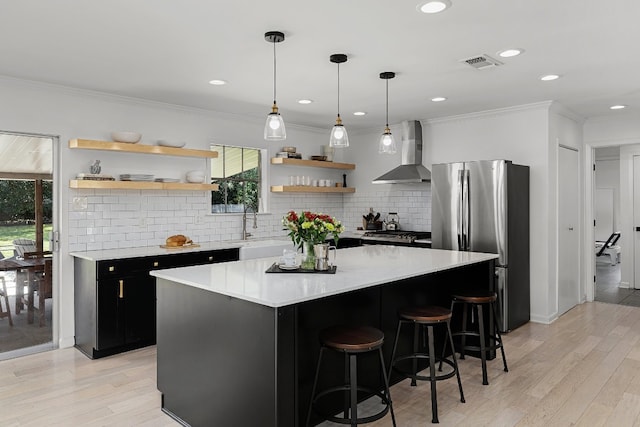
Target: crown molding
<point x="106" y="96"/>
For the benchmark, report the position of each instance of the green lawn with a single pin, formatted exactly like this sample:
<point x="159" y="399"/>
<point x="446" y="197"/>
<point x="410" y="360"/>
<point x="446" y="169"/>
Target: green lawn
<point x="9" y="233"/>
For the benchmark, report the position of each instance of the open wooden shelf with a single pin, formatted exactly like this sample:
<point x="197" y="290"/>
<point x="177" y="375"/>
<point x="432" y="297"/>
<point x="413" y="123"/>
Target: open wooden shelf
<point x="311" y="163"/>
<point x="89" y="144"/>
<point x="141" y="185"/>
<point x="310" y="189"/>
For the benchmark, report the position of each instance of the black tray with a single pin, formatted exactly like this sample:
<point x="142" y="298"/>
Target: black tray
<point x="275" y="269"/>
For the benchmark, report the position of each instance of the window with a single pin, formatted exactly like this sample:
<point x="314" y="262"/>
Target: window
<point x="238" y="173"/>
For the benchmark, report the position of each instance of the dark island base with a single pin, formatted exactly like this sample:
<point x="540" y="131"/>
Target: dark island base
<point x="225" y="361"/>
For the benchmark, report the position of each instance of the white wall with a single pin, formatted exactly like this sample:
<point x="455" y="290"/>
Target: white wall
<point x="140" y="218"/>
<point x="519" y="134"/>
<point x="608" y="177"/>
<point x="412" y="202"/>
<point x="628" y="254"/>
<point x="114" y="218"/>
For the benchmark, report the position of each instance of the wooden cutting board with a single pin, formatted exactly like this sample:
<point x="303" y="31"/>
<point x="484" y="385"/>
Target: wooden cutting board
<point x="190" y="245"/>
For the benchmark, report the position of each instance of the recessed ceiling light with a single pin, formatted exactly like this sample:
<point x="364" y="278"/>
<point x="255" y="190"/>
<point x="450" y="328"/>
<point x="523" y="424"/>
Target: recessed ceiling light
<point x="360" y="113"/>
<point x="305" y="101"/>
<point x="549" y="77"/>
<point x="508" y="53"/>
<point x="617" y="107"/>
<point x="216" y="82"/>
<point x="434" y="6"/>
<point x="439" y="99"/>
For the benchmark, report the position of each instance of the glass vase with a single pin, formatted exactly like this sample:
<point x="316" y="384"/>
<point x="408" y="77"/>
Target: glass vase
<point x="309" y="260"/>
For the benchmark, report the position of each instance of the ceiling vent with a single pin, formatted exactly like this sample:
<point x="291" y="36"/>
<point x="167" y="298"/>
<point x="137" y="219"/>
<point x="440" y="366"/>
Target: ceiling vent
<point x="481" y="62"/>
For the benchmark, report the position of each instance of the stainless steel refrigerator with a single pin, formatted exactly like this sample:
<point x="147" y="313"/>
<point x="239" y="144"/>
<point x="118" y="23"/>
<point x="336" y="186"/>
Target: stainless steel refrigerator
<point x="483" y="206"/>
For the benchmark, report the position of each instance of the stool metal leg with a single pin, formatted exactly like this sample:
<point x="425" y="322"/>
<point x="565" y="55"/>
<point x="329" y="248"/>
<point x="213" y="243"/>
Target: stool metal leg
<point x="347" y="398"/>
<point x="386" y="387"/>
<point x="483" y="349"/>
<point x="313" y="389"/>
<point x="432" y="375"/>
<point x="416" y="342"/>
<point x="497" y="332"/>
<point x="465" y="308"/>
<point x="353" y="371"/>
<point x="455" y="361"/>
<point x="393" y="352"/>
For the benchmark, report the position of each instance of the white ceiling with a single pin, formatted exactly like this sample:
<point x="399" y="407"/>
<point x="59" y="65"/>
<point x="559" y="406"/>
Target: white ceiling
<point x="167" y="51"/>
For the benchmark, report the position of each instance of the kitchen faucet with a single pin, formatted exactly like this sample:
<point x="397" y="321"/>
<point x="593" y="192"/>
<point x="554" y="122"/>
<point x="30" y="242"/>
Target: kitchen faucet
<point x="246" y="235"/>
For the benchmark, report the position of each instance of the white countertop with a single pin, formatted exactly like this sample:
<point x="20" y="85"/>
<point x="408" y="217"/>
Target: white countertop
<point x="357" y="268"/>
<point x="143" y="251"/>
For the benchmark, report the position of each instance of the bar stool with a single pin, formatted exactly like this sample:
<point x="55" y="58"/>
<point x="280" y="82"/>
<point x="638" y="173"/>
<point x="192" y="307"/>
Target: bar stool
<point x="426" y="318"/>
<point x="351" y="340"/>
<point x="477" y="300"/>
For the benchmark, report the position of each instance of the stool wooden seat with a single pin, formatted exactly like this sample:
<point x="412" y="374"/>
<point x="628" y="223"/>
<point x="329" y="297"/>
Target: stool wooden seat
<point x="487" y="342"/>
<point x="5" y="296"/>
<point x="426" y="318"/>
<point x="351" y="340"/>
<point x="478" y="297"/>
<point x="429" y="314"/>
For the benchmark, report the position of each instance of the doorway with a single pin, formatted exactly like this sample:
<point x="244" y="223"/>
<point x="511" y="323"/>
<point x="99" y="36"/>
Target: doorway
<point x="616" y="170"/>
<point x="26" y="247"/>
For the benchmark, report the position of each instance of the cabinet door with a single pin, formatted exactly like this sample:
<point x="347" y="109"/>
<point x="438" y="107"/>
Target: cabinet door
<point x="140" y="309"/>
<point x="110" y="323"/>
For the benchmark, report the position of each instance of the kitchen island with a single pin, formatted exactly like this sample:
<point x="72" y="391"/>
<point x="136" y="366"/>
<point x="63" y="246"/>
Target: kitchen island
<point x="237" y="346"/>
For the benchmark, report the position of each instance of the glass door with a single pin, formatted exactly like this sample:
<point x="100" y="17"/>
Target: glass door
<point x="26" y="252"/>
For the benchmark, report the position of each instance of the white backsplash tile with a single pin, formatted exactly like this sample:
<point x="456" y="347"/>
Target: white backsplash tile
<point x="123" y="219"/>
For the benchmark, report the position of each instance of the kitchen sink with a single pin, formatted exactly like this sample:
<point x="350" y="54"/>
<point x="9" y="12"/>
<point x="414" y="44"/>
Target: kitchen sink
<point x="263" y="248"/>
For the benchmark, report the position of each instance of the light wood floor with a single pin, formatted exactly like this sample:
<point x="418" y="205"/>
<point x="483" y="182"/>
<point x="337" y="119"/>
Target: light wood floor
<point x="583" y="370"/>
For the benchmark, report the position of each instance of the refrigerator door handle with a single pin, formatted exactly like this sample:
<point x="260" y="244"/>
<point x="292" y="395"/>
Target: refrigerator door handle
<point x="459" y="220"/>
<point x="466" y="214"/>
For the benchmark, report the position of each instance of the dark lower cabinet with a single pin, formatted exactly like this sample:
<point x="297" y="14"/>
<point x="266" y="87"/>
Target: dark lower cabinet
<point x="126" y="311"/>
<point x="115" y="300"/>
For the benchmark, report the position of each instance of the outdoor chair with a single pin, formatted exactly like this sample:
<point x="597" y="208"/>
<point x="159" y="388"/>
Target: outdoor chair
<point x="609" y="248"/>
<point x="24" y="245"/>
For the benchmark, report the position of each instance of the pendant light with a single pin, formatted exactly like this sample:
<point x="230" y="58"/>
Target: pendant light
<point x="387" y="142"/>
<point x="339" y="137"/>
<point x="274" y="127"/>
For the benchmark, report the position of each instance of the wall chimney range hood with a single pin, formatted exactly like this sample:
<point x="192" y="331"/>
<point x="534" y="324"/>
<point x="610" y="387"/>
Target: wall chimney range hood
<point x="411" y="170"/>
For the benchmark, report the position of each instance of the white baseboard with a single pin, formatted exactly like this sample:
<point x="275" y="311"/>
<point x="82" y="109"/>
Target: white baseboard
<point x="66" y="342"/>
<point x="546" y="320"/>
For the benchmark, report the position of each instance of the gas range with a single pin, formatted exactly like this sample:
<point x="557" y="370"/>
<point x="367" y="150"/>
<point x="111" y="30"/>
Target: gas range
<point x="397" y="237"/>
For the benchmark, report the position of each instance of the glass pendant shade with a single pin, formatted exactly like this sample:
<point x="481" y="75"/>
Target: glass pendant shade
<point x="339" y="137"/>
<point x="274" y="129"/>
<point x="387" y="142"/>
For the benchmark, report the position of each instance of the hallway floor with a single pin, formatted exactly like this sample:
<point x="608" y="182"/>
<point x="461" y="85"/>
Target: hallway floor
<point x="607" y="290"/>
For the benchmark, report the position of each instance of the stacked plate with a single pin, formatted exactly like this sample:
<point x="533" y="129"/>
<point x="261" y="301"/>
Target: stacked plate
<point x="167" y="180"/>
<point x="136" y="177"/>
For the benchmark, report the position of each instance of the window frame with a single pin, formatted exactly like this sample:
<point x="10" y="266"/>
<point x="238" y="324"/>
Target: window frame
<point x="261" y="181"/>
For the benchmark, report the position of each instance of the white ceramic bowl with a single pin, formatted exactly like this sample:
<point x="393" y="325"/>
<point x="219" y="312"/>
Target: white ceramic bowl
<point x="171" y="143"/>
<point x="195" y="176"/>
<point x="130" y="137"/>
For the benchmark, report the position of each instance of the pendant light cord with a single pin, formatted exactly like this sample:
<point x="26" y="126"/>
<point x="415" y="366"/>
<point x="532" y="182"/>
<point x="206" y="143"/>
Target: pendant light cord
<point x="387" y="103"/>
<point x="338" y="89"/>
<point x="274" y="72"/>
